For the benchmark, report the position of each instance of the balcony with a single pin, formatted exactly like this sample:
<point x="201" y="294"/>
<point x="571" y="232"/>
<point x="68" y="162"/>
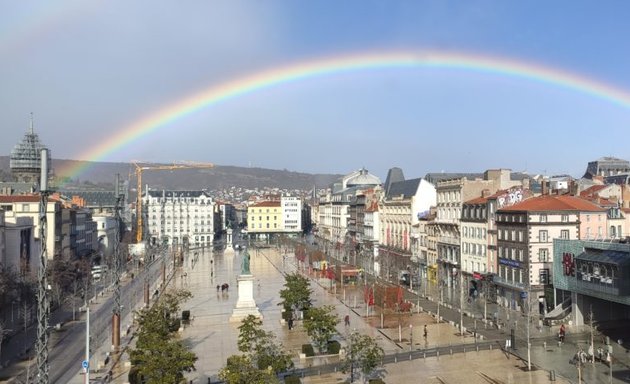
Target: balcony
<point x="448" y="240"/>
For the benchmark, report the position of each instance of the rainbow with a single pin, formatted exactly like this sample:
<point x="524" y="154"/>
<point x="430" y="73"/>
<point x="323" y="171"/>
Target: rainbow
<point x="216" y="94"/>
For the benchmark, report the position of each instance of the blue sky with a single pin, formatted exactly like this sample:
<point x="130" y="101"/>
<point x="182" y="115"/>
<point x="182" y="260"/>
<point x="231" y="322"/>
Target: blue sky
<point x="90" y="68"/>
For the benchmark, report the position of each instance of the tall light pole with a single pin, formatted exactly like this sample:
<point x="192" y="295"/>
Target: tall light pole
<point x="43" y="303"/>
<point x="529" y="312"/>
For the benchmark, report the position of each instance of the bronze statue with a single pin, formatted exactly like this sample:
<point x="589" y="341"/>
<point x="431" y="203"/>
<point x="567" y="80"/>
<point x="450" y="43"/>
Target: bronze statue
<point x="245" y="264"/>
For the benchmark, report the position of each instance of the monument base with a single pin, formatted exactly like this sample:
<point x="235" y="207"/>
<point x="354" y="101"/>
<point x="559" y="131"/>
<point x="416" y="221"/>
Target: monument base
<point x="245" y="305"/>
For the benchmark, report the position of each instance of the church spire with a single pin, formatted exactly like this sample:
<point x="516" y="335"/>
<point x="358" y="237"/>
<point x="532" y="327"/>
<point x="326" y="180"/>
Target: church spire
<point x="31" y="125"/>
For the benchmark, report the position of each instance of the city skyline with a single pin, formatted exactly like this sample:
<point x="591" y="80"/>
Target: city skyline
<point x="425" y="86"/>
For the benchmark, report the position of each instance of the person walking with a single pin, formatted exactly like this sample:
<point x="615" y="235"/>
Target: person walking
<point x="562" y="333"/>
<point x="426" y="333"/>
<point x="347" y="320"/>
<point x="290" y="323"/>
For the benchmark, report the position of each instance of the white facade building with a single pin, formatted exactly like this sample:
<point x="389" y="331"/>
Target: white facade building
<point x="18" y="250"/>
<point x="22" y="206"/>
<point x="291" y="213"/>
<point x="180" y="217"/>
<point x="106" y="234"/>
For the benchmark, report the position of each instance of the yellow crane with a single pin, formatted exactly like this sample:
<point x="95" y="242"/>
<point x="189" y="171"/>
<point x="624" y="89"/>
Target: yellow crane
<point x="155" y="167"/>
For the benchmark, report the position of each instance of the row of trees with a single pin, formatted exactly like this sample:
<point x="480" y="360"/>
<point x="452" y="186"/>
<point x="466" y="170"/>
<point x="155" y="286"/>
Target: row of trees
<point x="159" y="356"/>
<point x="263" y="359"/>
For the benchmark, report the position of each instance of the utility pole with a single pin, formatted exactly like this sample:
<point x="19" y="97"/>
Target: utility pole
<point x="529" y="312"/>
<point x="86" y="364"/>
<point x="117" y="305"/>
<point x="592" y="349"/>
<point x="43" y="304"/>
<point x="461" y="302"/>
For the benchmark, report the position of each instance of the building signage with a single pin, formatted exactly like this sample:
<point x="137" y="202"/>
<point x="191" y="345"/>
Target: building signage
<point x="568" y="264"/>
<point x="510" y="263"/>
<point x="509" y="198"/>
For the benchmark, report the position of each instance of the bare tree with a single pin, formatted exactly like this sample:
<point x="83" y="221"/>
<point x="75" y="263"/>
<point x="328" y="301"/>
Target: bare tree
<point x="3" y="332"/>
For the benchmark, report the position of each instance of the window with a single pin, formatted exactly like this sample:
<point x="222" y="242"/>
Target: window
<point x="543" y="217"/>
<point x="544" y="276"/>
<point x="565" y="218"/>
<point x="543" y="255"/>
<point x="543" y="236"/>
<point x="564" y="234"/>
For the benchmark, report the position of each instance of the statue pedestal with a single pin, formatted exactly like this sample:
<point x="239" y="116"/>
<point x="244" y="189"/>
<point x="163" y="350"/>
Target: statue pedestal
<point x="245" y="305"/>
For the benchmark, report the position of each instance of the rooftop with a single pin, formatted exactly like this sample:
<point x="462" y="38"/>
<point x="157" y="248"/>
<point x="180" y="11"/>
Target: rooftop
<point x="555" y="203"/>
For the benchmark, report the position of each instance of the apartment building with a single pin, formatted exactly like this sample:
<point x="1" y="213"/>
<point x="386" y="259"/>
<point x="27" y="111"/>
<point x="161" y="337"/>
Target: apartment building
<point x="401" y="208"/>
<point x="187" y="218"/>
<point x="291" y="214"/>
<point x="333" y="207"/>
<point x="264" y="217"/>
<point x="19" y="252"/>
<point x="16" y="207"/>
<point x="525" y="233"/>
<point x="451" y="195"/>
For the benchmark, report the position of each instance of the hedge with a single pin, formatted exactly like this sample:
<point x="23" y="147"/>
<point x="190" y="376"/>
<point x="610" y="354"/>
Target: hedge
<point x="308" y="350"/>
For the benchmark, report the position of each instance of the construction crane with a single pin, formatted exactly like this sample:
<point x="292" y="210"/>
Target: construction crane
<point x="151" y="167"/>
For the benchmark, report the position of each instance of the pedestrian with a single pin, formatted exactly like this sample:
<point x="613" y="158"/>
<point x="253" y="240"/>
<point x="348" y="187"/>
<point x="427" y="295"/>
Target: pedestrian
<point x="290" y="323"/>
<point x="425" y="331"/>
<point x="347" y="320"/>
<point x="218" y="288"/>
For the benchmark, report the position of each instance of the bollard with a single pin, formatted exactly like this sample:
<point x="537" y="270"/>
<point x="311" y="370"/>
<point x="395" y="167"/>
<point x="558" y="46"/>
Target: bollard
<point x="451" y="351"/>
<point x="396" y="359"/>
<point x="545" y="345"/>
<point x="410" y="357"/>
<point x="552" y="375"/>
<point x="438" y="353"/>
<point x="491" y="347"/>
<point x="477" y="348"/>
<point x="424" y="355"/>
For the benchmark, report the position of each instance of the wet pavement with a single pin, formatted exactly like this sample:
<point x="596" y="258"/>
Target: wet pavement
<point x="213" y="337"/>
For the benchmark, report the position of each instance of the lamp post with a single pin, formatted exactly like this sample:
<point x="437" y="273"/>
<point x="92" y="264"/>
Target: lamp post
<point x="410" y="337"/>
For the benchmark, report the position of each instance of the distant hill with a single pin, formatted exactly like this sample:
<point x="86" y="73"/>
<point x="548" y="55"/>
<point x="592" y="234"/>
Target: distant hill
<point x="219" y="177"/>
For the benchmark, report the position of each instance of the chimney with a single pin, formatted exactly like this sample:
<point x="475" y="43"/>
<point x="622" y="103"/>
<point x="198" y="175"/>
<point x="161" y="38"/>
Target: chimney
<point x="545" y="186"/>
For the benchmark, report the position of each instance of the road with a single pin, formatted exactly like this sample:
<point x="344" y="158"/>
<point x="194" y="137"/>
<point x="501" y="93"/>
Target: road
<point x="67" y="344"/>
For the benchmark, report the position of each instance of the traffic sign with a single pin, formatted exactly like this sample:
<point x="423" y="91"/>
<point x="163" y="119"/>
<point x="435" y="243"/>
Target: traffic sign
<point x="85" y="364"/>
